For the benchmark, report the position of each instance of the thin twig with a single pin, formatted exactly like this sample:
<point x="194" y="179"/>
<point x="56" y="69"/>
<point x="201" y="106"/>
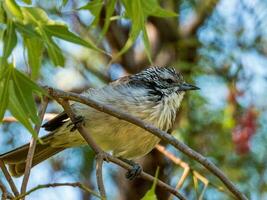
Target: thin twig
<point x="108" y="157"/>
<point x="147" y="177"/>
<point x="99" y="152"/>
<point x="9" y="179"/>
<point x="4" y="191"/>
<point x="32" y="148"/>
<point x="99" y="175"/>
<point x="10" y="119"/>
<point x="177" y="161"/>
<point x="77" y="184"/>
<point x="157" y="132"/>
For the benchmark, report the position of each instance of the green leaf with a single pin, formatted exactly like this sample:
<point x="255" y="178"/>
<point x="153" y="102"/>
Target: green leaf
<point x="17" y="110"/>
<point x="10" y="40"/>
<point x="152" y="8"/>
<point x="12" y="9"/>
<point x="61" y="31"/>
<point x="94" y="7"/>
<point x="64" y="2"/>
<point x="2" y="14"/>
<point x="35" y="16"/>
<point x="150" y="195"/>
<point x="133" y="7"/>
<point x="144" y="8"/>
<point x="147" y="44"/>
<point x="25" y="95"/>
<point x="110" y="7"/>
<point x="53" y="50"/>
<point x="34" y="48"/>
<point x="4" y="93"/>
<point x="28" y="83"/>
<point x="27" y="1"/>
<point x="27" y="29"/>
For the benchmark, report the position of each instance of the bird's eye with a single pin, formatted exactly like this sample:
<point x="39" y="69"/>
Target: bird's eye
<point x="169" y="80"/>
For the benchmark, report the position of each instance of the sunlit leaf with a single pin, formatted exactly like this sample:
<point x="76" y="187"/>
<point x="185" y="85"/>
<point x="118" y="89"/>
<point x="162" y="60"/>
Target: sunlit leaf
<point x="144" y="9"/>
<point x="17" y="110"/>
<point x="37" y="16"/>
<point x="2" y="14"/>
<point x="4" y="93"/>
<point x="27" y="29"/>
<point x="34" y="48"/>
<point x="110" y="7"/>
<point x="27" y="1"/>
<point x="61" y="31"/>
<point x="53" y="50"/>
<point x="10" y="39"/>
<point x="94" y="7"/>
<point x="28" y="83"/>
<point x="150" y="194"/>
<point x="152" y="8"/>
<point x="25" y="94"/>
<point x="12" y="9"/>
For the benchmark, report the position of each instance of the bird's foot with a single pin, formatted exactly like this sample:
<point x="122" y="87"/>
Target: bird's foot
<point x="76" y="122"/>
<point x="135" y="171"/>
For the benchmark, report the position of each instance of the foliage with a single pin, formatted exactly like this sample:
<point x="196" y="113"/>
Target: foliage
<point x="38" y="32"/>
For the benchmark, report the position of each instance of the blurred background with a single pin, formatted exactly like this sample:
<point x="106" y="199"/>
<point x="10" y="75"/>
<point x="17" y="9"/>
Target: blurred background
<point x="219" y="45"/>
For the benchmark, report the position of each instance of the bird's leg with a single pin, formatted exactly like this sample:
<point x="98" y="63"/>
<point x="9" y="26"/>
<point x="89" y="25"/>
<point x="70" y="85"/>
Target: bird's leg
<point x="78" y="119"/>
<point x="135" y="171"/>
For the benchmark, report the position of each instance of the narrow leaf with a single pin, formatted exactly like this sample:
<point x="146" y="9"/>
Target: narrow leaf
<point x="61" y="31"/>
<point x="110" y="7"/>
<point x="27" y="1"/>
<point x="53" y="50"/>
<point x="24" y="94"/>
<point x="16" y="110"/>
<point x="34" y="48"/>
<point x="151" y="195"/>
<point x="28" y="82"/>
<point x="27" y="29"/>
<point x="10" y="40"/>
<point x="13" y="9"/>
<point x="94" y="7"/>
<point x="4" y="93"/>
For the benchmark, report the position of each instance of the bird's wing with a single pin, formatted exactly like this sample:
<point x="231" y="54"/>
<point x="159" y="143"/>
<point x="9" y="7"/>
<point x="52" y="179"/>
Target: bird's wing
<point x="56" y="122"/>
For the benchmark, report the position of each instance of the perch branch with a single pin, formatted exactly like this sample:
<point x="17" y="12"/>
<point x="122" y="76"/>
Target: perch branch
<point x="9" y="179"/>
<point x="32" y="148"/>
<point x="10" y="119"/>
<point x="4" y="191"/>
<point x="77" y="184"/>
<point x="107" y="156"/>
<point x="157" y="132"/>
<point x="99" y="153"/>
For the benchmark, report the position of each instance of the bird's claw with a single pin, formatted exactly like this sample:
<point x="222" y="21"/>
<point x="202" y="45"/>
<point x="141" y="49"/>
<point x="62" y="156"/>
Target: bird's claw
<point x="78" y="120"/>
<point x="134" y="172"/>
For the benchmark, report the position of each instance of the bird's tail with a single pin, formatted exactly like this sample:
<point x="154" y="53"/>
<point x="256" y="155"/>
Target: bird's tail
<point x="16" y="159"/>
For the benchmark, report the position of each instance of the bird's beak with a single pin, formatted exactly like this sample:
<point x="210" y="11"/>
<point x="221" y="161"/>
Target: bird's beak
<point x="186" y="86"/>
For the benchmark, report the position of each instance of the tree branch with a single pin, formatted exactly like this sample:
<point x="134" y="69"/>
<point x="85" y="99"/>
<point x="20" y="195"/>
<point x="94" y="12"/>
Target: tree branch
<point x="9" y="179"/>
<point x="11" y="119"/>
<point x="4" y="191"/>
<point x="157" y="132"/>
<point x="99" y="152"/>
<point x="99" y="175"/>
<point x="77" y="184"/>
<point x="107" y="156"/>
<point x="32" y="148"/>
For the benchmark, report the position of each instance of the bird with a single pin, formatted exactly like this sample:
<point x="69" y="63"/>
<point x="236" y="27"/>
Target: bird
<point x="153" y="95"/>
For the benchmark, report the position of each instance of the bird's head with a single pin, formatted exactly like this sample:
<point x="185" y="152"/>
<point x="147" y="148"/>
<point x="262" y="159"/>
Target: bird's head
<point x="162" y="81"/>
